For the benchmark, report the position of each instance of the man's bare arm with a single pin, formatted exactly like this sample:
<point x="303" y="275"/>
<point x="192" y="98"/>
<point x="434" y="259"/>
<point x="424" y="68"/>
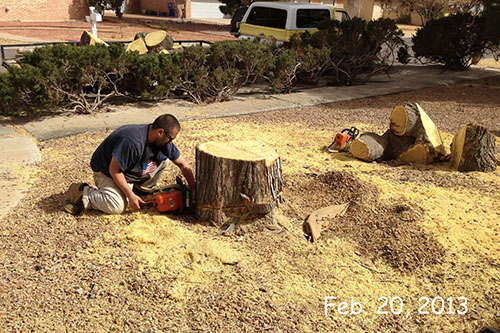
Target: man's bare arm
<point x="119" y="179"/>
<point x="187" y="173"/>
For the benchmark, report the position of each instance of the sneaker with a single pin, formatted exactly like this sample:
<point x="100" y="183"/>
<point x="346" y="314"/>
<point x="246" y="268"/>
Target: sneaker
<point x="73" y="203"/>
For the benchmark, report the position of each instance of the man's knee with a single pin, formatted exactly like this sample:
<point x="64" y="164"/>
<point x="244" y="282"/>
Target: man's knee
<point x="107" y="201"/>
<point x="115" y="205"/>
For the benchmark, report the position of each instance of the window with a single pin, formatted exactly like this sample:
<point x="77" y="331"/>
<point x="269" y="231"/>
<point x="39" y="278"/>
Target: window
<point x="267" y="17"/>
<point x="341" y="15"/>
<point x="309" y="18"/>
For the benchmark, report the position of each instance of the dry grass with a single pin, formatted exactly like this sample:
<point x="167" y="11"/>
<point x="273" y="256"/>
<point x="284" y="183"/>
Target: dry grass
<point x="410" y="231"/>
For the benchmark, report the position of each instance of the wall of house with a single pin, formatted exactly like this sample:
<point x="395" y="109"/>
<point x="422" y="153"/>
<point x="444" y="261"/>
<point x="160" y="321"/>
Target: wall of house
<point x="360" y="8"/>
<point x="162" y="6"/>
<point x="42" y="10"/>
<point x="133" y="7"/>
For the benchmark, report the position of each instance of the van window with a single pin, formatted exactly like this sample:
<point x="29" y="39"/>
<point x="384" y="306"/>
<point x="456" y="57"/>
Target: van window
<point x="309" y="18"/>
<point x="341" y="15"/>
<point x="267" y="17"/>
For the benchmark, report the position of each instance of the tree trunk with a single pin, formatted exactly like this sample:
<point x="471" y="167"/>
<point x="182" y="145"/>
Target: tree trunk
<point x="473" y="149"/>
<point x="236" y="180"/>
<point x="369" y="146"/>
<point x="412" y="121"/>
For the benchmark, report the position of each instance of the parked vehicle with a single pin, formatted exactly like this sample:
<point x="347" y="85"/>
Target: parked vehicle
<point x="280" y="20"/>
<point x="236" y="20"/>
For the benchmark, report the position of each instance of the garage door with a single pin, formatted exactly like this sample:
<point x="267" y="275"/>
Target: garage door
<point x="206" y="9"/>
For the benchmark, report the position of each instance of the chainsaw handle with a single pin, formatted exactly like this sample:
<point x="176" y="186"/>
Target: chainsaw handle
<point x="147" y="203"/>
<point x="353" y="131"/>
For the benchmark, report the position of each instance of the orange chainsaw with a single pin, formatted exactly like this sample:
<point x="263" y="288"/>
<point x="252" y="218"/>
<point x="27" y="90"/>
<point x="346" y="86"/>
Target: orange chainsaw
<point x="171" y="199"/>
<point x="343" y="140"/>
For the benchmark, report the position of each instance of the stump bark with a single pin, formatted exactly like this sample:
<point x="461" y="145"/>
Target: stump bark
<point x="410" y="120"/>
<point x="473" y="149"/>
<point x="236" y="180"/>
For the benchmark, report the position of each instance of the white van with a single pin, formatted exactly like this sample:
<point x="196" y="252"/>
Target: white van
<point x="281" y="20"/>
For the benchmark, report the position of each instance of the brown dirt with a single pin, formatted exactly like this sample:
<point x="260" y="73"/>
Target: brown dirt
<point x="410" y="231"/>
<point x="391" y="232"/>
<point x="113" y="29"/>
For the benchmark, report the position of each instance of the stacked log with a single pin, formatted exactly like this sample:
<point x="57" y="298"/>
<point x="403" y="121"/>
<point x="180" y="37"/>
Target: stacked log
<point x="412" y="138"/>
<point x="158" y="41"/>
<point x="369" y="146"/>
<point x="411" y="120"/>
<point x="236" y="180"/>
<point x="473" y="149"/>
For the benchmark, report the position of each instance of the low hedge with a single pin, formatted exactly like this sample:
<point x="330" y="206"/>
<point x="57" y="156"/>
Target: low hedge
<point x="84" y="78"/>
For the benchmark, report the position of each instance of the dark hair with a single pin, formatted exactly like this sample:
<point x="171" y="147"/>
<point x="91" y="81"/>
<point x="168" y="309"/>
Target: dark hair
<point x="168" y="122"/>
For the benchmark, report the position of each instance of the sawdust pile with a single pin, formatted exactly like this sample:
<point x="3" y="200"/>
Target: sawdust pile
<point x="390" y="232"/>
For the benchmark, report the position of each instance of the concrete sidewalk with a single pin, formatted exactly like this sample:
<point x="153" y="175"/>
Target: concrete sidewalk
<point x="20" y="152"/>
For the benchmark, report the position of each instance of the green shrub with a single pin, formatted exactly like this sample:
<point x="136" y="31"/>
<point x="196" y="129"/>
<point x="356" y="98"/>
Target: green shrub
<point x="356" y="47"/>
<point x="453" y="40"/>
<point x="216" y="74"/>
<point x="149" y="77"/>
<point x="193" y="73"/>
<point x="236" y="64"/>
<point x="82" y="78"/>
<point x="313" y="63"/>
<point x="102" y="5"/>
<point x="8" y="100"/>
<point x="283" y="71"/>
<point x="491" y="17"/>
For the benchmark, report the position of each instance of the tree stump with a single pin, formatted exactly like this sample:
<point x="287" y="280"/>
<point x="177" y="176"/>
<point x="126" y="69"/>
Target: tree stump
<point x="411" y="120"/>
<point x="369" y="146"/>
<point x="473" y="149"/>
<point x="236" y="180"/>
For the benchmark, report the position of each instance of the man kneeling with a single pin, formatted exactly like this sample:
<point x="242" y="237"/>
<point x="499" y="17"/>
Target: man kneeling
<point x="131" y="159"/>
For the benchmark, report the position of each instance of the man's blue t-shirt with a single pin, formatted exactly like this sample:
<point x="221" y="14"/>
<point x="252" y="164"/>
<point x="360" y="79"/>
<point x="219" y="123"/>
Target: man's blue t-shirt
<point x="135" y="156"/>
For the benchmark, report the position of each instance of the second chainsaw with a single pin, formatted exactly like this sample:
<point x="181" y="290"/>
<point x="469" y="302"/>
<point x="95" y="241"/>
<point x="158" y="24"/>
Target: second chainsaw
<point x="343" y="140"/>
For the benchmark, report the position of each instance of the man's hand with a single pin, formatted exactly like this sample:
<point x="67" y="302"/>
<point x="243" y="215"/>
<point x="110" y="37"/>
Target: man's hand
<point x="187" y="173"/>
<point x="119" y="179"/>
<point x="135" y="201"/>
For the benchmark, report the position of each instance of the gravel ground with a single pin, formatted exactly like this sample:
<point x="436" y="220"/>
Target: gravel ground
<point x="410" y="231"/>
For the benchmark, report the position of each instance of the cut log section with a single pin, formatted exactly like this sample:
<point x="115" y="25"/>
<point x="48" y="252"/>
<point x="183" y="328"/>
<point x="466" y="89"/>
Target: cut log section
<point x="369" y="147"/>
<point x="411" y="120"/>
<point x="156" y="41"/>
<point x="473" y="149"/>
<point x="137" y="45"/>
<point x="89" y="39"/>
<point x="154" y="38"/>
<point x="236" y="180"/>
<point x="404" y="119"/>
